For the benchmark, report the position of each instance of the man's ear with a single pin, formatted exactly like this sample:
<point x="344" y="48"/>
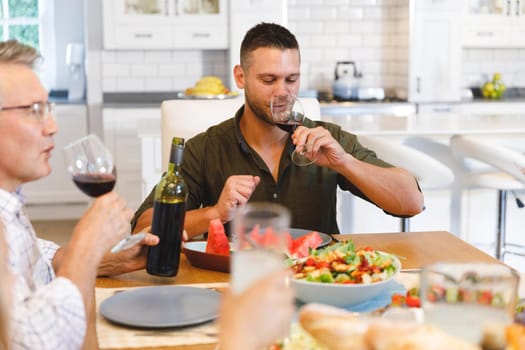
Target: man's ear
<point x="238" y="73"/>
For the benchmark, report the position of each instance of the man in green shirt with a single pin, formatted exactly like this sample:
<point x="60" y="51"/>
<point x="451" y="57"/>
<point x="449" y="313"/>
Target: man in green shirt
<point x="247" y="158"/>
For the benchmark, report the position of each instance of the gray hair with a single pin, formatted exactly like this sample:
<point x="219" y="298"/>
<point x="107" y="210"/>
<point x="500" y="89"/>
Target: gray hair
<point x="14" y="52"/>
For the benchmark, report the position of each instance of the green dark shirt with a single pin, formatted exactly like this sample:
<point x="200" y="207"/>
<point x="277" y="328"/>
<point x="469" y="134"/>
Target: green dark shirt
<point x="308" y="191"/>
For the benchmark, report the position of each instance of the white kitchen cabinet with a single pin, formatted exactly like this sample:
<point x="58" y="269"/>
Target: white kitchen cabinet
<point x="494" y="23"/>
<point x="56" y="196"/>
<point x="165" y="24"/>
<point x="434" y="52"/>
<point x="244" y="14"/>
<point x="121" y="130"/>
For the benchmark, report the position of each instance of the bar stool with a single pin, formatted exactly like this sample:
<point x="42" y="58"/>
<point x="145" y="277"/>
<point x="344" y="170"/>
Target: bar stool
<point x="441" y="152"/>
<point x="507" y="174"/>
<point x="430" y="173"/>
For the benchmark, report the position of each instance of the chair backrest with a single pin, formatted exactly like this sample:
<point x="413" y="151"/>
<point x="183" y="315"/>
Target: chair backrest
<point x="502" y="158"/>
<point x="430" y="173"/>
<point x="186" y="118"/>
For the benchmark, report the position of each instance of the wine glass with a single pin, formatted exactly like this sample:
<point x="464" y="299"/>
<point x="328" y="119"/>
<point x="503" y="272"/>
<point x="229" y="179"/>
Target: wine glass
<point x="91" y="165"/>
<point x="288" y="113"/>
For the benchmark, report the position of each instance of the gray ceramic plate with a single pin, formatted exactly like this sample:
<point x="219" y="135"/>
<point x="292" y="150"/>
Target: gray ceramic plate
<point x="161" y="307"/>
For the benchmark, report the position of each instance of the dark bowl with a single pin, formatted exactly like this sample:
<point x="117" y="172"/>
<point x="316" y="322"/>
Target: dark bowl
<point x="197" y="256"/>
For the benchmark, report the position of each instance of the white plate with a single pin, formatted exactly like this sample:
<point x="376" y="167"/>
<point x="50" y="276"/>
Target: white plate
<point x="161" y="307"/>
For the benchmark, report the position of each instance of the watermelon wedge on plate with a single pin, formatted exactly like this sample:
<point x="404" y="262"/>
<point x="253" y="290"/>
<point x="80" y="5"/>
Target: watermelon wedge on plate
<point x="214" y="254"/>
<point x="217" y="239"/>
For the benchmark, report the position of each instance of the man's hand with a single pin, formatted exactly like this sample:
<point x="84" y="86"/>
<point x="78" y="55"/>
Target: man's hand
<point x="321" y="146"/>
<point x="131" y="259"/>
<point x="237" y="190"/>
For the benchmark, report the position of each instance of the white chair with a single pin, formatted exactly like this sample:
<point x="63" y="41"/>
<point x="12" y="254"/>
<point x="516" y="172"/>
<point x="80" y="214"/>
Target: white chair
<point x="441" y="152"/>
<point x="430" y="173"/>
<point x="507" y="174"/>
<point x="186" y="118"/>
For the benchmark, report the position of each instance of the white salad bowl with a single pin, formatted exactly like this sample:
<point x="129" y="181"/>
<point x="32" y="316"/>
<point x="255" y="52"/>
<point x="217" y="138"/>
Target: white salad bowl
<point x="342" y="295"/>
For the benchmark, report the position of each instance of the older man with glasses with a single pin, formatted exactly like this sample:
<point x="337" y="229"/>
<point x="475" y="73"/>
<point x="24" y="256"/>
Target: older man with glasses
<point x="53" y="292"/>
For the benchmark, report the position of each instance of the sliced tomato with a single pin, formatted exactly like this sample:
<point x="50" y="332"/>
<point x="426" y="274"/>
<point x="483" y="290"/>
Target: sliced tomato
<point x="301" y="245"/>
<point x="322" y="265"/>
<point x="398" y="299"/>
<point x="413" y="301"/>
<point x="217" y="240"/>
<point x="485" y="297"/>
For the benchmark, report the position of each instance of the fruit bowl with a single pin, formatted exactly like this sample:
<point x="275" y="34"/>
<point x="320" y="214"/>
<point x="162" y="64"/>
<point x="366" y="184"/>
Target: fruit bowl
<point x="493" y="89"/>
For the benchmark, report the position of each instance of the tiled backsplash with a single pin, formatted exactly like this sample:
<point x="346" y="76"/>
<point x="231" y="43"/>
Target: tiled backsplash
<point x="374" y="33"/>
<point x="480" y="64"/>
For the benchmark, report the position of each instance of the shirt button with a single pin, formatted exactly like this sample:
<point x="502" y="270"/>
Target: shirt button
<point x="275" y="196"/>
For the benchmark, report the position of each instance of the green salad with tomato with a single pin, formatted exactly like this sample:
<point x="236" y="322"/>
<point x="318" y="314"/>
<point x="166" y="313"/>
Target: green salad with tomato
<point x="342" y="263"/>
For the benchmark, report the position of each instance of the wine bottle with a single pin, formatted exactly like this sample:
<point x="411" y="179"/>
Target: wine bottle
<point x="169" y="209"/>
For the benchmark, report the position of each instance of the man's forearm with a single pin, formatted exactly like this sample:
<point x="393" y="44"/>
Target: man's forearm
<point x="197" y="221"/>
<point x="144" y="221"/>
<point x="394" y="190"/>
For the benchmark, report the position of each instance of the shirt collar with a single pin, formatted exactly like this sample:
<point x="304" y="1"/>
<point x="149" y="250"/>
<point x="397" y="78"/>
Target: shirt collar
<point x="238" y="134"/>
<point x="11" y="202"/>
<point x="242" y="141"/>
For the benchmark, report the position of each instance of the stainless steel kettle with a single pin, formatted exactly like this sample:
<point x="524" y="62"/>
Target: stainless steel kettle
<point x="346" y="84"/>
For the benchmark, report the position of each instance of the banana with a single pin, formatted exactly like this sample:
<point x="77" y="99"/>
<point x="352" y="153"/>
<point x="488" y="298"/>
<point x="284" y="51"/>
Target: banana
<point x="208" y="85"/>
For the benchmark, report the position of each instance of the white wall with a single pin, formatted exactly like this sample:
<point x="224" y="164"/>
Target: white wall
<point x="69" y="28"/>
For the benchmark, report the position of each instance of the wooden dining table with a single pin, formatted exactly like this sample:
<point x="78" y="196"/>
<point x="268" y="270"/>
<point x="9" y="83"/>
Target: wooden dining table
<point x="415" y="249"/>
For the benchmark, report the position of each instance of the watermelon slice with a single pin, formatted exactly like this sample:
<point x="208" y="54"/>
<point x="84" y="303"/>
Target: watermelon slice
<point x="217" y="241"/>
<point x="302" y="244"/>
<point x="268" y="238"/>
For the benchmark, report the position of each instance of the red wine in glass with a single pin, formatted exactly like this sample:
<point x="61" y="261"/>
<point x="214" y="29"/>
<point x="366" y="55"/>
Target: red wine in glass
<point x="95" y="184"/>
<point x="288" y="127"/>
<point x="287" y="114"/>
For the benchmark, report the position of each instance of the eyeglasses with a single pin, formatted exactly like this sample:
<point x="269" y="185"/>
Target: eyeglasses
<point x="40" y="111"/>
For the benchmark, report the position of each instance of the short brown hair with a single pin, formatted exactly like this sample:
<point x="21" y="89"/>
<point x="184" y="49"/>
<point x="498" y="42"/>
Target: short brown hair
<point x="266" y="35"/>
<point x="13" y="51"/>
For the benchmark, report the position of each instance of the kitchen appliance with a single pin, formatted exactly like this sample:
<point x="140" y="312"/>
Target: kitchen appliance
<point x="346" y="86"/>
<point x="75" y="63"/>
<point x="346" y="83"/>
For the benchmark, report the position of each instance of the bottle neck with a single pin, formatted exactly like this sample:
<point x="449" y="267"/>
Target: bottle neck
<point x="176" y="155"/>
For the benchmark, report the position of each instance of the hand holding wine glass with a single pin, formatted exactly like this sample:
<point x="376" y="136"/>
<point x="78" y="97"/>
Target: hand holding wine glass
<point x="288" y="113"/>
<point x="91" y="165"/>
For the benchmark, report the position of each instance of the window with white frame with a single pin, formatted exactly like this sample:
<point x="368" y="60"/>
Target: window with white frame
<point x="21" y="20"/>
<point x="31" y="22"/>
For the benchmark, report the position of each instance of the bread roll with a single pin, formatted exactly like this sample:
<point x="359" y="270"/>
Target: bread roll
<point x="334" y="328"/>
<point x="338" y="329"/>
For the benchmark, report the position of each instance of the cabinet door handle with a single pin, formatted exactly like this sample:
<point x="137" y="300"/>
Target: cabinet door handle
<point x="508" y="7"/>
<point x="485" y="34"/>
<point x="517" y="7"/>
<point x="442" y="109"/>
<point x="418" y="85"/>
<point x="201" y="35"/>
<point x="143" y="35"/>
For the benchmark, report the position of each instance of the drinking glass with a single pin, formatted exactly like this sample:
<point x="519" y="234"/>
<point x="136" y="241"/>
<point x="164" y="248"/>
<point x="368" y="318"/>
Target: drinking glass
<point x="91" y="165"/>
<point x="288" y="113"/>
<point x="254" y="258"/>
<point x="468" y="299"/>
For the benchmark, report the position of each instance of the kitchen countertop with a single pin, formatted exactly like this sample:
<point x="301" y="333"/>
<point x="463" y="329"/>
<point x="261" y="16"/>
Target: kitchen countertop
<point x="381" y="118"/>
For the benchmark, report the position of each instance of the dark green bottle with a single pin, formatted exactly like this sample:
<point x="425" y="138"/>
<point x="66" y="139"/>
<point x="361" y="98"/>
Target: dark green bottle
<point x="169" y="209"/>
